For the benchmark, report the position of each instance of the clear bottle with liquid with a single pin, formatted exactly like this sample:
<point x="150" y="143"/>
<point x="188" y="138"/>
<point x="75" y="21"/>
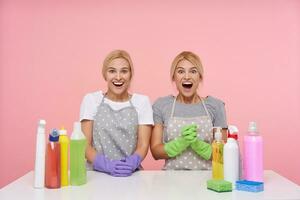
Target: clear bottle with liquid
<point x="217" y="155"/>
<point x="77" y="156"/>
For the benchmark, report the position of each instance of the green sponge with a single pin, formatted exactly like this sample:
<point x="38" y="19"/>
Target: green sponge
<point x="219" y="185"/>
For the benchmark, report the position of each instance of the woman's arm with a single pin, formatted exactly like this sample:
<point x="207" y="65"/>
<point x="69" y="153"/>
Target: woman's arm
<point x="157" y="146"/>
<point x="87" y="129"/>
<point x="144" y="134"/>
<point x="224" y="134"/>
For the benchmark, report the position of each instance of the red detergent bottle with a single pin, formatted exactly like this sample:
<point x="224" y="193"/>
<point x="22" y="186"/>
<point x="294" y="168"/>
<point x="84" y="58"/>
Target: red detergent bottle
<point x="52" y="172"/>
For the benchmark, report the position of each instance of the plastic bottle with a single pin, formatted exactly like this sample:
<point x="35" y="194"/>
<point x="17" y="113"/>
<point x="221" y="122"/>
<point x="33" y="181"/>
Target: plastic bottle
<point x="253" y="154"/>
<point x="231" y="156"/>
<point x="64" y="152"/>
<point x="77" y="156"/>
<point x="52" y="174"/>
<point x="217" y="155"/>
<point x="39" y="167"/>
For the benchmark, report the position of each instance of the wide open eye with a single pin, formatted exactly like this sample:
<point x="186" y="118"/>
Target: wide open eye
<point x="194" y="71"/>
<point x="180" y="71"/>
<point x="111" y="71"/>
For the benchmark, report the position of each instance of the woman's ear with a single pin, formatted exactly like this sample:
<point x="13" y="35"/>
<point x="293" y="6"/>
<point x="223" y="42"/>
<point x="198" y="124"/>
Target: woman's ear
<point x="104" y="77"/>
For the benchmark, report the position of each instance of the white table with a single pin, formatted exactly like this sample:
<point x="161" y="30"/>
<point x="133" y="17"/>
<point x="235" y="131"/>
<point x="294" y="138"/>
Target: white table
<point x="144" y="185"/>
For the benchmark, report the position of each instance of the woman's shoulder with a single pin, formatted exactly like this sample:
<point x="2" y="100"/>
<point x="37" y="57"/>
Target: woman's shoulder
<point x="137" y="96"/>
<point x="162" y="101"/>
<point x="93" y="96"/>
<point x="140" y="100"/>
<point x="214" y="101"/>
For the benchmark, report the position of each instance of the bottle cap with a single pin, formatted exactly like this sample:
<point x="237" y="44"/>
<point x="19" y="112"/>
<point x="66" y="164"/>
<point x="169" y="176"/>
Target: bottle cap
<point x="62" y="131"/>
<point x="218" y="134"/>
<point x="77" y="133"/>
<point x="252" y="128"/>
<point x="77" y="126"/>
<point x="232" y="132"/>
<point x="54" y="135"/>
<point x="42" y="122"/>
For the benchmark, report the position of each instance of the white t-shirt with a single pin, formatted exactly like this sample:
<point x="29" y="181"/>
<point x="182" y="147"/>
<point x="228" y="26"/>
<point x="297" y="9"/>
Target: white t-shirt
<point x="141" y="103"/>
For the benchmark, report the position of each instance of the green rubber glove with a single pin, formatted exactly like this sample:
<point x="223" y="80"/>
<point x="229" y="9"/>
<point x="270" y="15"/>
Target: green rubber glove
<point x="189" y="133"/>
<point x="202" y="148"/>
<point x="188" y="136"/>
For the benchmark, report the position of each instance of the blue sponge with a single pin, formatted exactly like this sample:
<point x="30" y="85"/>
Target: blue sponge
<point x="249" y="186"/>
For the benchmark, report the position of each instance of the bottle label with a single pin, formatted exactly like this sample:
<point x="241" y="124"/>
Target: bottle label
<point x="218" y="152"/>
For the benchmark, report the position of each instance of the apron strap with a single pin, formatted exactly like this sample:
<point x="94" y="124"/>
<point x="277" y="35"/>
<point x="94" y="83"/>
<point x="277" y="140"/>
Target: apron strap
<point x="173" y="107"/>
<point x="130" y="97"/>
<point x="202" y="101"/>
<point x="102" y="100"/>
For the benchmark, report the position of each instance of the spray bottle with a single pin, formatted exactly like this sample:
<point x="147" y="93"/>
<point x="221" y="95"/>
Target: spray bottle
<point x="52" y="174"/>
<point x="77" y="156"/>
<point x="217" y="155"/>
<point x="253" y="154"/>
<point x="231" y="156"/>
<point x="64" y="150"/>
<point x="39" y="167"/>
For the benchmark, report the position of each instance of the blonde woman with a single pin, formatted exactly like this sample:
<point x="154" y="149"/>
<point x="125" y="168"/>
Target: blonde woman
<point x="182" y="132"/>
<point x="117" y="124"/>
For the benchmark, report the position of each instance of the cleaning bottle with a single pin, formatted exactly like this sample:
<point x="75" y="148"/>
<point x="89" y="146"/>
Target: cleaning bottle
<point x="77" y="156"/>
<point x="52" y="174"/>
<point x="231" y="156"/>
<point x="64" y="150"/>
<point x="217" y="155"/>
<point x="253" y="154"/>
<point x="39" y="167"/>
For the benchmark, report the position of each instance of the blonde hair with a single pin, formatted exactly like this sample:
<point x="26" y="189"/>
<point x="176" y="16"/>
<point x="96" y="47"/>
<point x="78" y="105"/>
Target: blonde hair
<point x="189" y="56"/>
<point x="114" y="55"/>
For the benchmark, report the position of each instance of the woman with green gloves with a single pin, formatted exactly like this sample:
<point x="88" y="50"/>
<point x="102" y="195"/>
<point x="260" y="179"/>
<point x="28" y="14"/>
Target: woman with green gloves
<point x="182" y="133"/>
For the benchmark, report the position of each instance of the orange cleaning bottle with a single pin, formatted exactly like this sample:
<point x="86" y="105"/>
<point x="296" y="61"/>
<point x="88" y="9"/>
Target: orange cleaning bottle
<point x="52" y="172"/>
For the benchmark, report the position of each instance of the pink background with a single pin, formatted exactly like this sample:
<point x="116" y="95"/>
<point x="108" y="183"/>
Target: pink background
<point x="51" y="53"/>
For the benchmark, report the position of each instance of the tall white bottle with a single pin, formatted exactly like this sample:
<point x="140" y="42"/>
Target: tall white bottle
<point x="231" y="158"/>
<point x="39" y="168"/>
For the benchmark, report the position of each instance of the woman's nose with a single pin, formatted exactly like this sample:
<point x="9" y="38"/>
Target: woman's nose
<point x="118" y="75"/>
<point x="186" y="75"/>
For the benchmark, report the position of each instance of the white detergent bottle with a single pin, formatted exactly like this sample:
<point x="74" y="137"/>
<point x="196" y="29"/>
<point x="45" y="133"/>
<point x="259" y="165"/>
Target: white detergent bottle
<point x="39" y="167"/>
<point x="231" y="158"/>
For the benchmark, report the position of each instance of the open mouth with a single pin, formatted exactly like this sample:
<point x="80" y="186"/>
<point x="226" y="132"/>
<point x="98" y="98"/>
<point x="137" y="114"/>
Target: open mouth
<point x="118" y="84"/>
<point x="187" y="84"/>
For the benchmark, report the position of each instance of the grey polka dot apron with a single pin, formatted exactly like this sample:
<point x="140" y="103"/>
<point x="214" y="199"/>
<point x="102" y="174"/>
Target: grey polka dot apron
<point x="115" y="131"/>
<point x="188" y="159"/>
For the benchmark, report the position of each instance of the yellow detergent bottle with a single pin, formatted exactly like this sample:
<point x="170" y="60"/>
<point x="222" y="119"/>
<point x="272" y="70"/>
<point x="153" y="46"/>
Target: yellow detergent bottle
<point x="217" y="156"/>
<point x="64" y="152"/>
